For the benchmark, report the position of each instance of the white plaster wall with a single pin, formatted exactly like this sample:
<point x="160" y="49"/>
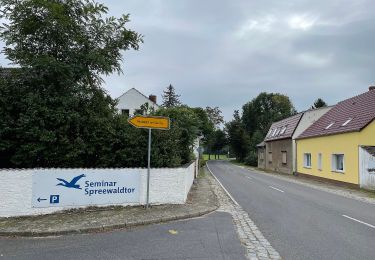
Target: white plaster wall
<point x="167" y="186"/>
<point x="132" y="100"/>
<point x="309" y="117"/>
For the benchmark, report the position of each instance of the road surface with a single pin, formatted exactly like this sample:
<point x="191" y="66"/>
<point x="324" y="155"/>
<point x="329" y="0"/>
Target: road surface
<point x="209" y="237"/>
<point x="301" y="222"/>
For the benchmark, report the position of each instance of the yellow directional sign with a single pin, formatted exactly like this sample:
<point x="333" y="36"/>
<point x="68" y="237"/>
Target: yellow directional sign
<point x="150" y="122"/>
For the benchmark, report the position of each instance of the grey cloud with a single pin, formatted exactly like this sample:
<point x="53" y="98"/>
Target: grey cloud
<point x="223" y="53"/>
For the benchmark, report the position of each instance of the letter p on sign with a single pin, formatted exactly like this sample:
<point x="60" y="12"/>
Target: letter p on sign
<point x="54" y="199"/>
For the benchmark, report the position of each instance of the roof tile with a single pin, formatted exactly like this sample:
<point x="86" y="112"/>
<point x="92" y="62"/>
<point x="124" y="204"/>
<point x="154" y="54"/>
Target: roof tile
<point x="360" y="109"/>
<point x="290" y="123"/>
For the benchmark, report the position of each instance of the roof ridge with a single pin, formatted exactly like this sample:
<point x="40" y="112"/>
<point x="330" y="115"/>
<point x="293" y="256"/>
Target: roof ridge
<point x="360" y="108"/>
<point x="287" y="117"/>
<point x="139" y="93"/>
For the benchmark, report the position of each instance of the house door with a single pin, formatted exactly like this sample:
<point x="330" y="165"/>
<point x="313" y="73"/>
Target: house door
<point x="367" y="167"/>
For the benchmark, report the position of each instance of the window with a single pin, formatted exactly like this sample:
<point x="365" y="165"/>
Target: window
<point x="283" y="130"/>
<point x="347" y="122"/>
<point x="274" y="132"/>
<point x="138" y="112"/>
<point x="270" y="132"/>
<point x="319" y="161"/>
<point x="338" y="162"/>
<point x="125" y="112"/>
<point x="270" y="157"/>
<point x="329" y="126"/>
<point x="261" y="155"/>
<point x="307" y="160"/>
<point x="284" y="157"/>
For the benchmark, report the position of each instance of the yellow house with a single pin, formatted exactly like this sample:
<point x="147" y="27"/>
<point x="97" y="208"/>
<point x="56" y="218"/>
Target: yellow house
<point x="340" y="145"/>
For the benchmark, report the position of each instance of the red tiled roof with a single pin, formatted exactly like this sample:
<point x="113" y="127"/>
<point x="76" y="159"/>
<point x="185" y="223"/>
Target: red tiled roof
<point x="360" y="109"/>
<point x="290" y="123"/>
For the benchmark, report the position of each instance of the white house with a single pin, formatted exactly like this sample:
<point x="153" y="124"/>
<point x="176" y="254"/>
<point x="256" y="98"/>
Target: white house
<point x="131" y="101"/>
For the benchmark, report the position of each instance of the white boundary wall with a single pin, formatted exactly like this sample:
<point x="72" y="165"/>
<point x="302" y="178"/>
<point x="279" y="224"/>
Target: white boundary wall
<point x="167" y="186"/>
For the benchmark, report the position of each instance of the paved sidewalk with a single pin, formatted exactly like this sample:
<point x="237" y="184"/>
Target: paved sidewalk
<point x="201" y="200"/>
<point x="357" y="194"/>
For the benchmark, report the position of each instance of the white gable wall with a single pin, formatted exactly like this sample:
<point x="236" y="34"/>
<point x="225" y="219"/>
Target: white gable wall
<point x="132" y="100"/>
<point x="309" y="117"/>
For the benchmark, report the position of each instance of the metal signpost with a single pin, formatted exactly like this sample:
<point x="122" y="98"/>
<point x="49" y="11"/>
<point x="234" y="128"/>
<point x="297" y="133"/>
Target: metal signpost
<point x="150" y="122"/>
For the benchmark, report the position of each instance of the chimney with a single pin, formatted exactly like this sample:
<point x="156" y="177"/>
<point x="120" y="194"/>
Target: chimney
<point x="152" y="98"/>
<point x="371" y="88"/>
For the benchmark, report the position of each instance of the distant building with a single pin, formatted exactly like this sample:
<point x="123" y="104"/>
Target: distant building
<point x="278" y="151"/>
<point x="340" y="146"/>
<point x="131" y="101"/>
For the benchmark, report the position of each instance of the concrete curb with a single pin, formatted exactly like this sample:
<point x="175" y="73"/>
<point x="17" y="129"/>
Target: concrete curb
<point x="107" y="228"/>
<point x="196" y="209"/>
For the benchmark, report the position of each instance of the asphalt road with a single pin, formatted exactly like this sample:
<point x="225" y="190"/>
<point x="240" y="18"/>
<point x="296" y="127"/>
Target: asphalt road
<point x="301" y="222"/>
<point x="209" y="237"/>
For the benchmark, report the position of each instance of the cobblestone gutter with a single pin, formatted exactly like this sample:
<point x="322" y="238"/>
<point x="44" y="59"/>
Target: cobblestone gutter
<point x="257" y="247"/>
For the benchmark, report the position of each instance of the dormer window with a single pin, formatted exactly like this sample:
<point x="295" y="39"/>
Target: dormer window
<point x="347" y="121"/>
<point x="329" y="126"/>
<point x="270" y="132"/>
<point x="277" y="131"/>
<point x="283" y="130"/>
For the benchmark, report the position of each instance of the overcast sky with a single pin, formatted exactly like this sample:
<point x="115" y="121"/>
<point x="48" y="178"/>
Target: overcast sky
<point x="225" y="52"/>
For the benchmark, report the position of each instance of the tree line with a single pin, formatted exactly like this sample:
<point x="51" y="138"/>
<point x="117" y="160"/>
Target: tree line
<point x="53" y="109"/>
<point x="249" y="128"/>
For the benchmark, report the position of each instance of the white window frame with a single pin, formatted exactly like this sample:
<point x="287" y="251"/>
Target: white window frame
<point x="305" y="160"/>
<point x="329" y="126"/>
<point x="283" y="130"/>
<point x="347" y="121"/>
<point x="334" y="162"/>
<point x="320" y="162"/>
<point x="270" y="132"/>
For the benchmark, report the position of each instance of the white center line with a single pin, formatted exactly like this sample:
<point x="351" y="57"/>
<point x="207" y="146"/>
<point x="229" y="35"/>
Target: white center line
<point x="275" y="188"/>
<point x="364" y="223"/>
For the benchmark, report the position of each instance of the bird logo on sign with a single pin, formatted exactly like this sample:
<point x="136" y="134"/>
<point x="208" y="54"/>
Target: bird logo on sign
<point x="72" y="184"/>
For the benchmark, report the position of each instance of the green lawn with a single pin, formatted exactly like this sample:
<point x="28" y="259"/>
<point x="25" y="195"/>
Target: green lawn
<point x="221" y="157"/>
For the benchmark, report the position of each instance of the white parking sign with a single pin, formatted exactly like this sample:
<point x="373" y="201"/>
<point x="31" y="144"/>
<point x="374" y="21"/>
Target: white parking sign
<point x="75" y="187"/>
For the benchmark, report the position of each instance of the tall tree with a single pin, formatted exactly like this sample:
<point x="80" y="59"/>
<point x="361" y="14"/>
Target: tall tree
<point x="238" y="138"/>
<point x="215" y="116"/>
<point x="319" y="103"/>
<point x="266" y="108"/>
<point x="220" y="140"/>
<point x="170" y="98"/>
<point x="257" y="116"/>
<point x="70" y="38"/>
<point x="58" y="113"/>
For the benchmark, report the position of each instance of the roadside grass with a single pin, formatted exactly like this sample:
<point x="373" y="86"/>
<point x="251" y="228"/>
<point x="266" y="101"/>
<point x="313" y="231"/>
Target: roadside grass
<point x="369" y="193"/>
<point x="202" y="173"/>
<point x="221" y="157"/>
<point x="238" y="163"/>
